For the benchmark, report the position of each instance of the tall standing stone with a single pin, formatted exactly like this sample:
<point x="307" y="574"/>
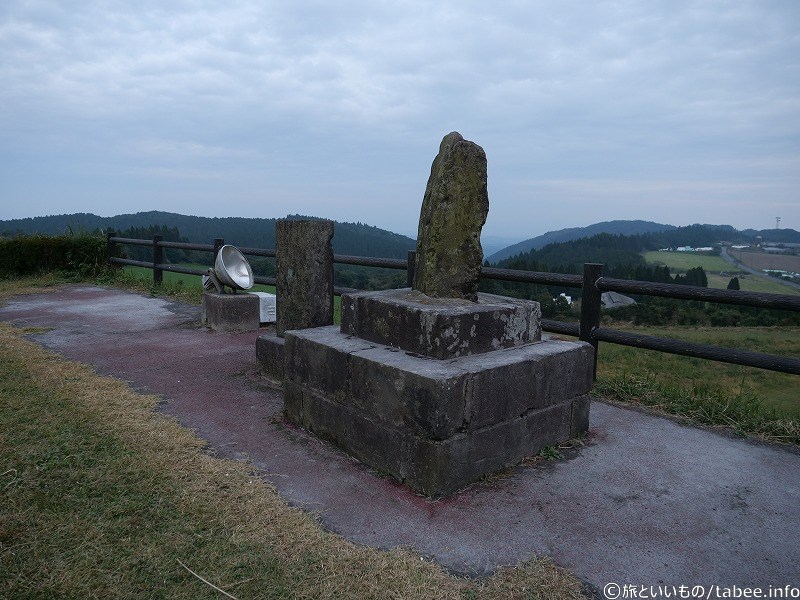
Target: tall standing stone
<point x="449" y="252"/>
<point x="304" y="280"/>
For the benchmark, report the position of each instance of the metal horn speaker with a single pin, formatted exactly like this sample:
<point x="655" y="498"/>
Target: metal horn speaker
<point x="230" y="268"/>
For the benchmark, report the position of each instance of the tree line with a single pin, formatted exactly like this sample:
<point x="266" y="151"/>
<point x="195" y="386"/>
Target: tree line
<point x="622" y="259"/>
<point x="357" y="239"/>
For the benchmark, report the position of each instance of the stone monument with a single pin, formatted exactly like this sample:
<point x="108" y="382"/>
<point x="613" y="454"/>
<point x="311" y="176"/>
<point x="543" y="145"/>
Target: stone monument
<point x="439" y="385"/>
<point x="449" y="253"/>
<point x="304" y="274"/>
<point x="303" y="286"/>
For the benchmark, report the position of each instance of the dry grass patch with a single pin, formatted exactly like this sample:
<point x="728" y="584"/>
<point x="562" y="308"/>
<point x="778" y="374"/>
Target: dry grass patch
<point x="39" y="284"/>
<point x="101" y="496"/>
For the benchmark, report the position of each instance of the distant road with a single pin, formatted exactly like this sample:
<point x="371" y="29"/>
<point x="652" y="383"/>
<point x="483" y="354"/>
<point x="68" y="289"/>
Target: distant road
<point x="724" y="254"/>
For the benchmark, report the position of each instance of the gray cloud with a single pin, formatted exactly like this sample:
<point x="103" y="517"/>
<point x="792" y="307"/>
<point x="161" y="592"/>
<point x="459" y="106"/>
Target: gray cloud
<point x="673" y="111"/>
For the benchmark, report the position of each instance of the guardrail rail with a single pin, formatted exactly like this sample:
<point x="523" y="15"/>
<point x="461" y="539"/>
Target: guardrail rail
<point x="592" y="285"/>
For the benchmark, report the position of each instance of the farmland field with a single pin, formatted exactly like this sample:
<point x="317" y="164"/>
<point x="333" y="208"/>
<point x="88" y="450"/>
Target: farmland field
<point x="762" y="260"/>
<point x="683" y="261"/>
<point x="680" y="262"/>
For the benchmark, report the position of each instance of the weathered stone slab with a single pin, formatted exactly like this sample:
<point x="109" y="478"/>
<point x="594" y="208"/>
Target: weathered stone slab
<point x="434" y="468"/>
<point x="270" y="355"/>
<point x="431" y="398"/>
<point x="507" y="384"/>
<point x="441" y="328"/>
<point x="319" y="357"/>
<point x="230" y="312"/>
<point x="454" y="209"/>
<point x="304" y="274"/>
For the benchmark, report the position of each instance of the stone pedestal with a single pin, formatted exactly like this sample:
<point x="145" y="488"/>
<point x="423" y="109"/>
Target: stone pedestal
<point x="304" y="274"/>
<point x="304" y="287"/>
<point x="230" y="312"/>
<point x="437" y="392"/>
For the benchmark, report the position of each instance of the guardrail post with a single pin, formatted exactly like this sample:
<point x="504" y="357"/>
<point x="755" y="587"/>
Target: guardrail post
<point x="218" y="243"/>
<point x="412" y="259"/>
<point x="590" y="307"/>
<point x="158" y="258"/>
<point x="111" y="248"/>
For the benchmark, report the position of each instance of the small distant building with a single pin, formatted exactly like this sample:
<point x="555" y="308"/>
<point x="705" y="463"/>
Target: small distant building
<point x="615" y="300"/>
<point x="567" y="298"/>
<point x="690" y="249"/>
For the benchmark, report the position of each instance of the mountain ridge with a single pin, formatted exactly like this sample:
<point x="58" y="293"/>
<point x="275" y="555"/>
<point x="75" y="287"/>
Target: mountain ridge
<point x="358" y="238"/>
<point x="619" y="227"/>
<point x="349" y="238"/>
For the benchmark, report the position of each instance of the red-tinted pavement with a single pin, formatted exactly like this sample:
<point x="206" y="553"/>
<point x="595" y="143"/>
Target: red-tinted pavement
<point x="647" y="501"/>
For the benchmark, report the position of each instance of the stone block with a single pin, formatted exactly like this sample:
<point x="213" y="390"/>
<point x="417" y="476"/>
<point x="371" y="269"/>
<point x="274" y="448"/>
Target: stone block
<point x="508" y="383"/>
<point x="230" y="312"/>
<point x="436" y="399"/>
<point x="437" y="386"/>
<point x="467" y="457"/>
<point x="433" y="467"/>
<point x="433" y="398"/>
<point x="304" y="274"/>
<point x="427" y="397"/>
<point x="440" y="328"/>
<point x="424" y="395"/>
<point x="319" y="357"/>
<point x="270" y="355"/>
<point x="382" y="447"/>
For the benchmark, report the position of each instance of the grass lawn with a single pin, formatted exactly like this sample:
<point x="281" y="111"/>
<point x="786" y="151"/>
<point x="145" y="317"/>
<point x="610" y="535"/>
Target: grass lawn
<point x="751" y="401"/>
<point x="103" y="496"/>
<point x="188" y="281"/>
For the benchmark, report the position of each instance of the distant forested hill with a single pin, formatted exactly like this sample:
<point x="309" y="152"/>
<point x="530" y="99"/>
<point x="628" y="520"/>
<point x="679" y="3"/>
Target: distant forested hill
<point x="776" y="236"/>
<point x="574" y="233"/>
<point x="624" y="251"/>
<point x="617" y="250"/>
<point x="349" y="238"/>
<point x="621" y="258"/>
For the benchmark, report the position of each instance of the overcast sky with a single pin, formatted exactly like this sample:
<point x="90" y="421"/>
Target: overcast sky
<point x="671" y="111"/>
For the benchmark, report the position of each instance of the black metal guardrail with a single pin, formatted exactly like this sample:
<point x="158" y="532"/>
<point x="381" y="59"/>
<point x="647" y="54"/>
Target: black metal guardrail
<point x="592" y="284"/>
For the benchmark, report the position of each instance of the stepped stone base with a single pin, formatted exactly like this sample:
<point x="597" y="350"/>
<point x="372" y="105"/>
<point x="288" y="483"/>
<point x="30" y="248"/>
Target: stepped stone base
<point x="436" y="425"/>
<point x="230" y="312"/>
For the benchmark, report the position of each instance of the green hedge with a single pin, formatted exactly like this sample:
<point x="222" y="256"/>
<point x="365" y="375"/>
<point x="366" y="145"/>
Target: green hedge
<point x="80" y="254"/>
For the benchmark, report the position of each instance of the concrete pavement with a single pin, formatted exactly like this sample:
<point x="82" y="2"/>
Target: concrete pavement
<point x="645" y="501"/>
